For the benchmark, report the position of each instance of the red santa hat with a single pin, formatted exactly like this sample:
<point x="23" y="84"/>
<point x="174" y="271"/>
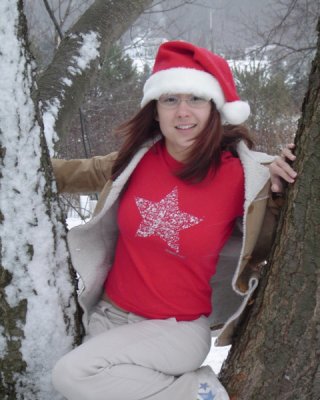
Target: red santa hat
<point x="181" y="67"/>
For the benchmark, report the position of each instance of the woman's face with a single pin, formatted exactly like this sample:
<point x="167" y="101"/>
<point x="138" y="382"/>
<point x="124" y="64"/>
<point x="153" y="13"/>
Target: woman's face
<point x="181" y="118"/>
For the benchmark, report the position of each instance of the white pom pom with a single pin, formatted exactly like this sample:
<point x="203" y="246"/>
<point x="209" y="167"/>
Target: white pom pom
<point x="235" y="112"/>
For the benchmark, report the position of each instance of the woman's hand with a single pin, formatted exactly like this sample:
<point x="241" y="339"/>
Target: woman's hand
<point x="280" y="169"/>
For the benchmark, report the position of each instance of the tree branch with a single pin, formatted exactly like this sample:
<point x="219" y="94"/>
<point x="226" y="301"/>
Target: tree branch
<point x="108" y="20"/>
<point x="53" y="19"/>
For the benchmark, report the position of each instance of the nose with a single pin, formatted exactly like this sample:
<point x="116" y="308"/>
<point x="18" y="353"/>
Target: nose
<point x="183" y="109"/>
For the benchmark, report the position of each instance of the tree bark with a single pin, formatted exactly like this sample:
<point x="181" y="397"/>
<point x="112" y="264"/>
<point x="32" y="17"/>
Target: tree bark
<point x="39" y="316"/>
<point x="276" y="354"/>
<point x="108" y="20"/>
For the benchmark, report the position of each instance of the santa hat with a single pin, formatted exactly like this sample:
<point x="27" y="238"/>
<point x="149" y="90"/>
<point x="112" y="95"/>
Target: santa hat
<point x="181" y="67"/>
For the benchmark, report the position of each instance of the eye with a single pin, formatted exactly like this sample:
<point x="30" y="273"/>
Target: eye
<point x="197" y="100"/>
<point x="169" y="100"/>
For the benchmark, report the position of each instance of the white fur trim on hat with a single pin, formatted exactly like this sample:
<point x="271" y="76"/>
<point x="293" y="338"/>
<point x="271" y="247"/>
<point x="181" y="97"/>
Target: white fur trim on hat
<point x="199" y="83"/>
<point x="182" y="80"/>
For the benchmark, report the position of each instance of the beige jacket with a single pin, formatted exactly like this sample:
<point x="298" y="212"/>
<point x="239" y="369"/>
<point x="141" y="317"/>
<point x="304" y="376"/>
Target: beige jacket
<point x="92" y="245"/>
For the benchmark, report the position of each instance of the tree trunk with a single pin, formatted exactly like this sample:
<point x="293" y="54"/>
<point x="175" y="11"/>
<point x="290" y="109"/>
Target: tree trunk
<point x="276" y="354"/>
<point x="62" y="86"/>
<point x="39" y="318"/>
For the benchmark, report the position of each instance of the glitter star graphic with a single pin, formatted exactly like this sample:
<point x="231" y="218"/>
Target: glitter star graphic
<point x="164" y="219"/>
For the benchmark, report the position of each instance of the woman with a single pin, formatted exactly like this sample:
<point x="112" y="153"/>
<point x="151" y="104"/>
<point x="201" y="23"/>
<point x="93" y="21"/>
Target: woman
<point x="159" y="259"/>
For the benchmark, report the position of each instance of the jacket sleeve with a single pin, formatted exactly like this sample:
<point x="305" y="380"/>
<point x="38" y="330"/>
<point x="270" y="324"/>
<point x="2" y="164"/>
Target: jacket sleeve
<point x="268" y="231"/>
<point x="83" y="175"/>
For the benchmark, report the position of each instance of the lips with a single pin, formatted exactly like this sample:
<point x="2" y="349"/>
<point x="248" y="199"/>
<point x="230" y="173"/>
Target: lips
<point x="185" y="126"/>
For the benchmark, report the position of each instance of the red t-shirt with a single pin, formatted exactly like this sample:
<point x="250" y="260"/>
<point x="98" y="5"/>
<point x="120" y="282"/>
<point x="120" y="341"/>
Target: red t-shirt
<point x="171" y="234"/>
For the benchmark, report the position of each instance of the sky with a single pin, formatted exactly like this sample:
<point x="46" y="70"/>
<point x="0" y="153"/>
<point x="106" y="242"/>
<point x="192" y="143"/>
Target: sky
<point x="220" y="25"/>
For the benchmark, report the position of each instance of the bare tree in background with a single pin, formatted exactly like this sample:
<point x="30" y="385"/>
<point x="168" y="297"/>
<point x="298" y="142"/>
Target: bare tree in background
<point x="273" y="117"/>
<point x="293" y="30"/>
<point x="291" y="39"/>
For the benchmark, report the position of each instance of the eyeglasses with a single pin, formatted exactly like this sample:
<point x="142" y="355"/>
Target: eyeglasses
<point x="171" y="101"/>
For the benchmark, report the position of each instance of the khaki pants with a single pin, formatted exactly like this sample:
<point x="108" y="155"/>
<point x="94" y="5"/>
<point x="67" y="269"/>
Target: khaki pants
<point x="127" y="357"/>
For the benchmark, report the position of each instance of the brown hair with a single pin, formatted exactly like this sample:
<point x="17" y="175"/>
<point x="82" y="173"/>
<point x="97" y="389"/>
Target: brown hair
<point x="205" y="152"/>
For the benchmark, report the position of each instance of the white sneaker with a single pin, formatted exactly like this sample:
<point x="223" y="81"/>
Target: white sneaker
<point x="210" y="387"/>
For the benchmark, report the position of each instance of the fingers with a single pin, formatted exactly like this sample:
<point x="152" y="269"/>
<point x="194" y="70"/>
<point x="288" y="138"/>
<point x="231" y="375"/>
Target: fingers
<point x="276" y="173"/>
<point x="281" y="171"/>
<point x="277" y="186"/>
<point x="287" y="152"/>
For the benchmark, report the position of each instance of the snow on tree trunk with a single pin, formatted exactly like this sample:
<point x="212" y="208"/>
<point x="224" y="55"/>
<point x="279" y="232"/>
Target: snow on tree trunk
<point x="276" y="354"/>
<point x="38" y="320"/>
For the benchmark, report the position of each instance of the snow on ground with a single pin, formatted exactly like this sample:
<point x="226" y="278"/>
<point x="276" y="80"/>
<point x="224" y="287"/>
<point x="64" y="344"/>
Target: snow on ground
<point x="216" y="356"/>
